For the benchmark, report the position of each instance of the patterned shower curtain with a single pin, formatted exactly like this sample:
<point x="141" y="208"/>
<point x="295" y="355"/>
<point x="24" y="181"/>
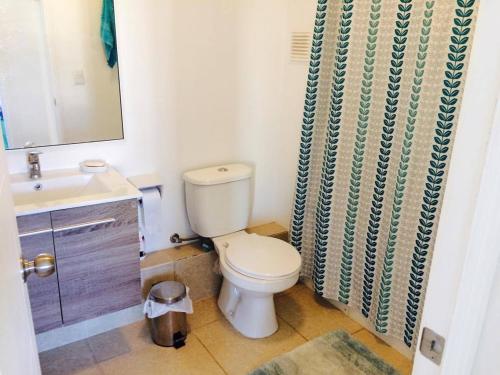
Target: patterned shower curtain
<point x="383" y="96"/>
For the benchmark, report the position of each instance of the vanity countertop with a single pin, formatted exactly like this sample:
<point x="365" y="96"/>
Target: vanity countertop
<point x="68" y="188"/>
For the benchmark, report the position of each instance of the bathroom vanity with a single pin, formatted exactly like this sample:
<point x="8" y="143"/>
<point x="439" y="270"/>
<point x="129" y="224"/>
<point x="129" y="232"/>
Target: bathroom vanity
<point x="89" y="224"/>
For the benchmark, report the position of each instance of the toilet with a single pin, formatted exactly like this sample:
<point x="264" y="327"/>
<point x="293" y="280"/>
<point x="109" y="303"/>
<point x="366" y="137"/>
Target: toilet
<point x="254" y="267"/>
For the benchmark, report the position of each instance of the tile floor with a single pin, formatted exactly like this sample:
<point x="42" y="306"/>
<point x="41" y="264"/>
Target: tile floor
<point x="213" y="346"/>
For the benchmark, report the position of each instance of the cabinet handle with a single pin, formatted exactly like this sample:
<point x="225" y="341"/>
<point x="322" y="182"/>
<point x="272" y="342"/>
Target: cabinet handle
<point x="34" y="232"/>
<point x="84" y="225"/>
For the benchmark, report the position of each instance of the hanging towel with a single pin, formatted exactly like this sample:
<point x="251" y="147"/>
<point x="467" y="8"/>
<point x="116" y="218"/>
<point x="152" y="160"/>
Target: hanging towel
<point x="3" y="129"/>
<point x="108" y="32"/>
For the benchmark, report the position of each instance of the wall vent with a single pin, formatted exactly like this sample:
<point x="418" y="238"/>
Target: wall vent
<point x="300" y="47"/>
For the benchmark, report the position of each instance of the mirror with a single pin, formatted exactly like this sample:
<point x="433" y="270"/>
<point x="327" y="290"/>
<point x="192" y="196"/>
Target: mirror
<point x="59" y="80"/>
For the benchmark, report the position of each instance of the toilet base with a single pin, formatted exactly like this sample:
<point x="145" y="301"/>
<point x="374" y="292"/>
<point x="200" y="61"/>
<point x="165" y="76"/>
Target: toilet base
<point x="251" y="313"/>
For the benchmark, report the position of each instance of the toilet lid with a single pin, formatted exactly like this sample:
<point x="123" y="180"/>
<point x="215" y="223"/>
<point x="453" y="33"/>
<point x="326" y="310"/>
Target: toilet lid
<point x="262" y="257"/>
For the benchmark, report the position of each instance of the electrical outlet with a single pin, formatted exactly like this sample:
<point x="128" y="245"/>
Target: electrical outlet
<point x="432" y="345"/>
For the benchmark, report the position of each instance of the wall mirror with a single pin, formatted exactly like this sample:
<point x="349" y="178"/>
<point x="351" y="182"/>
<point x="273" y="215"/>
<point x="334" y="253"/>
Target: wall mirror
<point x="59" y="80"/>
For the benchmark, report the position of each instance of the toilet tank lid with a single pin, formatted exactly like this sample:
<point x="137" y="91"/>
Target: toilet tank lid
<point x="219" y="174"/>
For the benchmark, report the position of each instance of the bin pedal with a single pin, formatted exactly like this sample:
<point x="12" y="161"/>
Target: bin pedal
<point x="179" y="340"/>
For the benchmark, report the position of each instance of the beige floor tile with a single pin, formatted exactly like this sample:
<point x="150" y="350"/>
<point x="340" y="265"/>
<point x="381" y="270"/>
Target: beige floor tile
<point x="205" y="311"/>
<point x="71" y="359"/>
<point x="137" y="335"/>
<point x="213" y="346"/>
<point x="108" y="345"/>
<point x="310" y="315"/>
<point x="238" y="354"/>
<point x="294" y="289"/>
<point x="191" y="359"/>
<point x="198" y="273"/>
<point x="383" y="350"/>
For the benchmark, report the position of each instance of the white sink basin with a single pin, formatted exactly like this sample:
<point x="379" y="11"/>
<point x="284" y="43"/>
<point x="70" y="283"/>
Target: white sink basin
<point x="68" y="188"/>
<point x="51" y="189"/>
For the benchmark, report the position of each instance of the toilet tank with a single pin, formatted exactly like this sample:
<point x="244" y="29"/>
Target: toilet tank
<point x="218" y="199"/>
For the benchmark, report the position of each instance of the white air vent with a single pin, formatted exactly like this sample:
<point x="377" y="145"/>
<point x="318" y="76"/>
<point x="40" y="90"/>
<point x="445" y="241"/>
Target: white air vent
<point x="300" y="46"/>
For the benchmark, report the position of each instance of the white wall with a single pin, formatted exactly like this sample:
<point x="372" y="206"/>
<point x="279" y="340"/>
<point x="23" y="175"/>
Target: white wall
<point x="445" y="308"/>
<point x="271" y="97"/>
<point x="204" y="83"/>
<point x="88" y="109"/>
<point x="487" y="359"/>
<point x="24" y="84"/>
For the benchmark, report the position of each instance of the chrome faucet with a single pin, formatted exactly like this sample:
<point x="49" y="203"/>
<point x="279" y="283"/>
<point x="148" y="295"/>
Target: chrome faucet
<point x="34" y="165"/>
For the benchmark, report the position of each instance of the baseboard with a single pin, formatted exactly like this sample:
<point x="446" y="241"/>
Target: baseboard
<point x="79" y="331"/>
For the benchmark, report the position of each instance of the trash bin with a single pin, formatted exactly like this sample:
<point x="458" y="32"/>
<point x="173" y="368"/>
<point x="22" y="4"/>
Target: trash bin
<point x="166" y="307"/>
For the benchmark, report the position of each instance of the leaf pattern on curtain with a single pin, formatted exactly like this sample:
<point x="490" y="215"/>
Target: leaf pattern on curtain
<point x="330" y="153"/>
<point x="376" y="135"/>
<point x="358" y="153"/>
<point x="437" y="164"/>
<point x="404" y="162"/>
<point x="391" y="111"/>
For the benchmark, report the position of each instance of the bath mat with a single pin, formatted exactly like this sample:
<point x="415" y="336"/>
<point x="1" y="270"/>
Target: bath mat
<point x="335" y="353"/>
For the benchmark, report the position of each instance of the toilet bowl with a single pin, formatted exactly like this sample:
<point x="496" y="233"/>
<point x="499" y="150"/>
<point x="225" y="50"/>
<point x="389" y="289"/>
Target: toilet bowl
<point x="254" y="269"/>
<point x="219" y="203"/>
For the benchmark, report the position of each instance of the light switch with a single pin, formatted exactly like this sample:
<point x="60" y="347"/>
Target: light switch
<point x="79" y="77"/>
<point x="432" y="345"/>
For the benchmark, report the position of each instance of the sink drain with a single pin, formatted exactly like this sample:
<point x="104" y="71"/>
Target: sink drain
<point x="37" y="187"/>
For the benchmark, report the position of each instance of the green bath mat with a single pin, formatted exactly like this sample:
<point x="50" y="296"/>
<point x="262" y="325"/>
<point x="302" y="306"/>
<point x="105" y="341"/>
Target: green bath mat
<point x="335" y="353"/>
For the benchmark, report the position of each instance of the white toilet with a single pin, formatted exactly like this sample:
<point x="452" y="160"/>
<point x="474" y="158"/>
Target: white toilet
<point x="254" y="267"/>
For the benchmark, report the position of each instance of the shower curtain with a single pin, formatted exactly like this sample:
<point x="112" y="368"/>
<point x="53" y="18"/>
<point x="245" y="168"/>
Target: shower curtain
<point x="382" y="101"/>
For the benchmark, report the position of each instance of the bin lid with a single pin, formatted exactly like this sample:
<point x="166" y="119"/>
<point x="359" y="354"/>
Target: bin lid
<point x="168" y="292"/>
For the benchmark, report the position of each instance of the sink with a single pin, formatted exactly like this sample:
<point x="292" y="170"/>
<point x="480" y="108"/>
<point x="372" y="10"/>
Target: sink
<point x="51" y="189"/>
<point x="68" y="188"/>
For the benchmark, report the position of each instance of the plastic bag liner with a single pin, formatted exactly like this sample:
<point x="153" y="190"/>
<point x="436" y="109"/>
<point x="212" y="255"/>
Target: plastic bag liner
<point x="154" y="309"/>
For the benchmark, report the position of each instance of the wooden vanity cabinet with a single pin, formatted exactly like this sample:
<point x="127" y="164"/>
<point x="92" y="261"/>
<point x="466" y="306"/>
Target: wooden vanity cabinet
<point x="97" y="256"/>
<point x="35" y="235"/>
<point x="97" y="251"/>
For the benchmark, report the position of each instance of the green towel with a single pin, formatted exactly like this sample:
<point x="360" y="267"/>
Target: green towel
<point x="108" y="32"/>
<point x="3" y="129"/>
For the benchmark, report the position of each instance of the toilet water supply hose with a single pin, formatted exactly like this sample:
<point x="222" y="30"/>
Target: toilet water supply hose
<point x="176" y="238"/>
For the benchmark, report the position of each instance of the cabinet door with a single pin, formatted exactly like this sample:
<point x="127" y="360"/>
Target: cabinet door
<point x="35" y="232"/>
<point x="97" y="251"/>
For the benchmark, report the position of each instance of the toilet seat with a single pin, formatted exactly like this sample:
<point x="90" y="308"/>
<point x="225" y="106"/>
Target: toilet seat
<point x="260" y="257"/>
